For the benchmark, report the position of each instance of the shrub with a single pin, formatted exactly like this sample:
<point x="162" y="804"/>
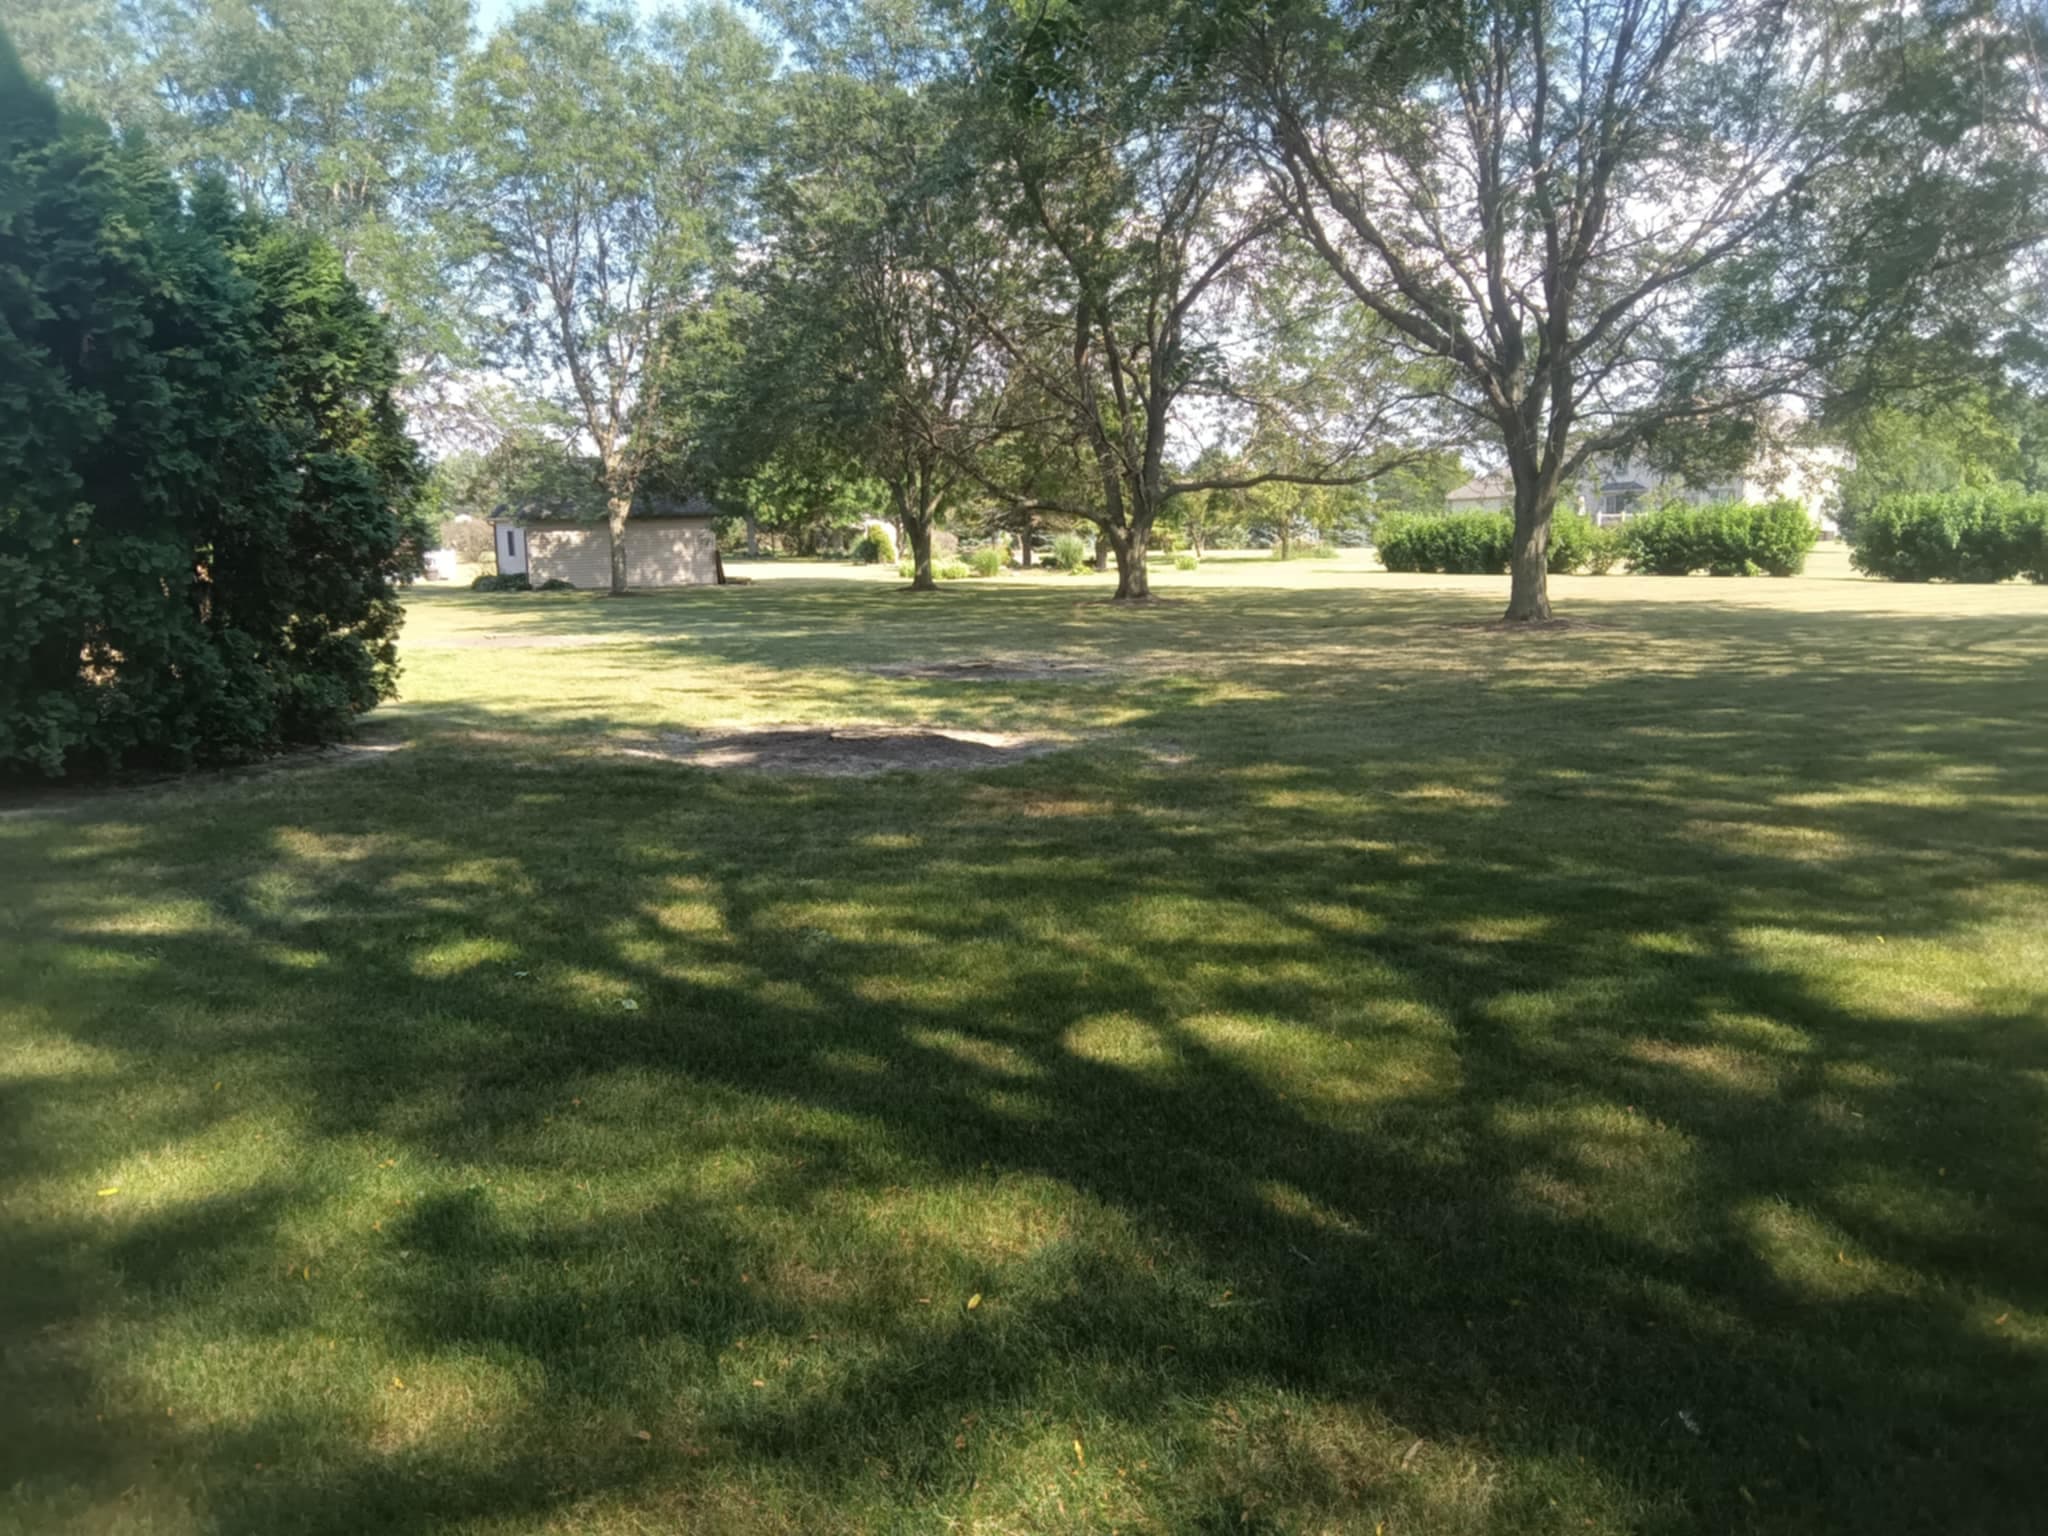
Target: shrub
<point x="515" y="583"/>
<point x="1187" y="560"/>
<point x="951" y="570"/>
<point x="556" y="584"/>
<point x="877" y="546"/>
<point x="207" y="509"/>
<point x="1454" y="543"/>
<point x="1603" y="550"/>
<point x="1663" y="541"/>
<point x="1319" y="552"/>
<point x="1728" y="538"/>
<point x="1577" y="543"/>
<point x="906" y="569"/>
<point x="1069" y="553"/>
<point x="1975" y="536"/>
<point x="987" y="561"/>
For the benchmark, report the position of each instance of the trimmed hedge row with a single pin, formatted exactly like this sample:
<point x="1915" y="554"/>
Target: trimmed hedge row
<point x="1976" y="536"/>
<point x="1483" y="543"/>
<point x="1580" y="544"/>
<point x="1453" y="543"/>
<point x="1729" y="538"/>
<point x="1723" y="538"/>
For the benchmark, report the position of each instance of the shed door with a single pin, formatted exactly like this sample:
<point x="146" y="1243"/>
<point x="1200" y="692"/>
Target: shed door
<point x="511" y="551"/>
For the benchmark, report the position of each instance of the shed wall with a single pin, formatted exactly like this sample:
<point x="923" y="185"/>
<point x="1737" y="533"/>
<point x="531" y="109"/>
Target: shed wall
<point x="659" y="553"/>
<point x="580" y="556"/>
<point x="678" y="552"/>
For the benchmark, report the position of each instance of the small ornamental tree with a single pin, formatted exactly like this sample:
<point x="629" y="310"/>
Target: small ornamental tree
<point x="206" y="495"/>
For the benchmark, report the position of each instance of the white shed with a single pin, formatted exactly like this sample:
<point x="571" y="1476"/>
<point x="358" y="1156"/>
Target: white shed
<point x="668" y="544"/>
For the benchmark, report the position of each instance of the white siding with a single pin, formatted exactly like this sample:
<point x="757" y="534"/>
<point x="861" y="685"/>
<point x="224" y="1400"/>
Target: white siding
<point x="664" y="552"/>
<point x="581" y="556"/>
<point x="670" y="552"/>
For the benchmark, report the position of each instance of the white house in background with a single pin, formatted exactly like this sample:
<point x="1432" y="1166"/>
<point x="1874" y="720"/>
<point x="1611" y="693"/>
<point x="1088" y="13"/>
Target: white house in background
<point x="1493" y="491"/>
<point x="1611" y="486"/>
<point x="668" y="544"/>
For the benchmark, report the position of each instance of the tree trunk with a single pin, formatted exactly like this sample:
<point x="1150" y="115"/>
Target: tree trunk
<point x="1529" y="570"/>
<point x="1024" y="559"/>
<point x="1133" y="580"/>
<point x="617" y="507"/>
<point x="753" y="535"/>
<point x="920" y="531"/>
<point x="1287" y="537"/>
<point x="1103" y="544"/>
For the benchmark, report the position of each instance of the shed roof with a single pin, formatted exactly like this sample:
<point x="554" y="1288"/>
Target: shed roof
<point x="645" y="506"/>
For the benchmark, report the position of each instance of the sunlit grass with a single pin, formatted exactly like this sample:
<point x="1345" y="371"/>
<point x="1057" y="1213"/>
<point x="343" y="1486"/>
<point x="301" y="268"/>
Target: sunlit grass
<point x="1377" y="1072"/>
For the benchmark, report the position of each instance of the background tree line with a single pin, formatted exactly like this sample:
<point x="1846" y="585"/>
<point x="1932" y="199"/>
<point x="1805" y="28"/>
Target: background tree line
<point x="1033" y="264"/>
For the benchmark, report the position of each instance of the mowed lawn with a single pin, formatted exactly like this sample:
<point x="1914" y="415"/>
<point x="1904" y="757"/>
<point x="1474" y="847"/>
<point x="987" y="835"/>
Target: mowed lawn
<point x="1376" y="1074"/>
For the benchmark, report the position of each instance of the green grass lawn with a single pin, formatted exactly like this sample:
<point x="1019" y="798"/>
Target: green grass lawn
<point x="1376" y="1071"/>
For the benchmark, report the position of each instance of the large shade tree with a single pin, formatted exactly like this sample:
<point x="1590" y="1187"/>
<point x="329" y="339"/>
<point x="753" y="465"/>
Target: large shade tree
<point x="331" y="113"/>
<point x="1619" y="220"/>
<point x="1133" y="304"/>
<point x="854" y="335"/>
<point x="606" y="166"/>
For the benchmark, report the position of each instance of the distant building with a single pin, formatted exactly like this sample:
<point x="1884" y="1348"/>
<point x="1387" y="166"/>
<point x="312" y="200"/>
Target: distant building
<point x="1494" y="492"/>
<point x="668" y="544"/>
<point x="1613" y="486"/>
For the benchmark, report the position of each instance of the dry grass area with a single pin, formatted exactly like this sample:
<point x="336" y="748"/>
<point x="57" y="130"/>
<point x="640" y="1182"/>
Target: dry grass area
<point x="1374" y="1073"/>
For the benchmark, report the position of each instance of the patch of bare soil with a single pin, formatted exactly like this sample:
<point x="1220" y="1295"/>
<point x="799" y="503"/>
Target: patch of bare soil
<point x="990" y="669"/>
<point x="847" y="751"/>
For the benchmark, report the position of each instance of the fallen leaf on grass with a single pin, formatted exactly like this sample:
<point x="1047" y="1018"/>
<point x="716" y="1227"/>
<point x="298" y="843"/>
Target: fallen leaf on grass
<point x="641" y="1434"/>
<point x="111" y="1189"/>
<point x="974" y="1301"/>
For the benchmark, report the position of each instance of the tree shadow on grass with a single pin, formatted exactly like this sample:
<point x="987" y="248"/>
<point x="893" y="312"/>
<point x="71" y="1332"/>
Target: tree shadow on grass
<point x="1446" y="1078"/>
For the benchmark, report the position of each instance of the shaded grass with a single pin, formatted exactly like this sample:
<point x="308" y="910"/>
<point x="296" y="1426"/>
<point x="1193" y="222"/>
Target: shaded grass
<point x="1380" y="1072"/>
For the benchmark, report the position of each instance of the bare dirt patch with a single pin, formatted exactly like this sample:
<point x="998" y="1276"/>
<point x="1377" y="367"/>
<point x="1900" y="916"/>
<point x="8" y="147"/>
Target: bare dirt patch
<point x="847" y="751"/>
<point x="990" y="669"/>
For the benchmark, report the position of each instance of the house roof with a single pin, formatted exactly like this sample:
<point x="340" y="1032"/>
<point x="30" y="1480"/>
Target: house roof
<point x="645" y="506"/>
<point x="1487" y="487"/>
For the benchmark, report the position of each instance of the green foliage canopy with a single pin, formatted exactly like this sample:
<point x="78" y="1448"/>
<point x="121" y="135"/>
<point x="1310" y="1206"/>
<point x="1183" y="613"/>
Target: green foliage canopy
<point x="206" y="493"/>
